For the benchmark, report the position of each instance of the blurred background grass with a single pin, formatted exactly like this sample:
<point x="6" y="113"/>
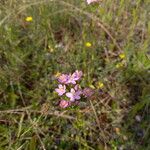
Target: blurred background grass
<point x="32" y="53"/>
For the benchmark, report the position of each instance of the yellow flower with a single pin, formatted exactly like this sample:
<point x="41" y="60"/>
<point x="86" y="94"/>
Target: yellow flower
<point x="57" y="74"/>
<point x="50" y="49"/>
<point x="29" y="19"/>
<point x="88" y="44"/>
<point x="119" y="65"/>
<point x="100" y="85"/>
<point x="122" y="56"/>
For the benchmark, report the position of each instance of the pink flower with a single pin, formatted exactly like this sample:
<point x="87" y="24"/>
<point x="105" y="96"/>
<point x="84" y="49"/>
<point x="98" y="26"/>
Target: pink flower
<point x="63" y="78"/>
<point x="67" y="79"/>
<point x="91" y="1"/>
<point x="74" y="95"/>
<point x="77" y="75"/>
<point x="74" y="77"/>
<point x="61" y="89"/>
<point x="71" y="80"/>
<point x="87" y="92"/>
<point x="64" y="103"/>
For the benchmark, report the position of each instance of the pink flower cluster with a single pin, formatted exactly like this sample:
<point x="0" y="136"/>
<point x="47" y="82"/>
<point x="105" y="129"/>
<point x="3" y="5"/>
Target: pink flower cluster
<point x="91" y="1"/>
<point x="69" y="89"/>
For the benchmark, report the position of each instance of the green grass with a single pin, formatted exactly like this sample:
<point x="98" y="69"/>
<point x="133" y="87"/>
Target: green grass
<point x="31" y="53"/>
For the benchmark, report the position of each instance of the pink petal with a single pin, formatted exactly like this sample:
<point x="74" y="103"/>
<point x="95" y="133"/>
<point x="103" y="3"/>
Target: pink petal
<point x="57" y="90"/>
<point x="76" y="87"/>
<point x="64" y="104"/>
<point x="60" y="86"/>
<point x="69" y="95"/>
<point x="77" y="97"/>
<point x="91" y="1"/>
<point x="72" y="90"/>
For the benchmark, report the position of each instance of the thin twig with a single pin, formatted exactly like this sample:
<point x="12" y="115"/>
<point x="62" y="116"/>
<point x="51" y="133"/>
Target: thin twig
<point x="20" y="111"/>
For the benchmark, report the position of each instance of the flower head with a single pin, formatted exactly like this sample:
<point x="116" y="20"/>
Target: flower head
<point x="91" y="1"/>
<point x="74" y="95"/>
<point x="71" y="80"/>
<point x="61" y="89"/>
<point x="57" y="74"/>
<point x="88" y="44"/>
<point x="87" y="92"/>
<point x="29" y="19"/>
<point x="64" y="103"/>
<point x="77" y="75"/>
<point x="100" y="85"/>
<point x="119" y="65"/>
<point x="63" y="78"/>
<point x="122" y="56"/>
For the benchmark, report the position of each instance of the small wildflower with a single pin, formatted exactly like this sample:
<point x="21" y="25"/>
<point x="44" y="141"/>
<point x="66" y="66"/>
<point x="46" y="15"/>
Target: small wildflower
<point x="50" y="49"/>
<point x="119" y="65"/>
<point x="100" y="85"/>
<point x="88" y="44"/>
<point x="74" y="95"/>
<point x="63" y="78"/>
<point x="29" y="19"/>
<point x="91" y="1"/>
<point x="70" y="80"/>
<point x="77" y="75"/>
<point x="57" y="74"/>
<point x="64" y="103"/>
<point x="88" y="92"/>
<point x="122" y="56"/>
<point x="61" y="89"/>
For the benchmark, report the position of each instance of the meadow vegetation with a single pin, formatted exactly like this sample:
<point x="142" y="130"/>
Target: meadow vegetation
<point x="108" y="41"/>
